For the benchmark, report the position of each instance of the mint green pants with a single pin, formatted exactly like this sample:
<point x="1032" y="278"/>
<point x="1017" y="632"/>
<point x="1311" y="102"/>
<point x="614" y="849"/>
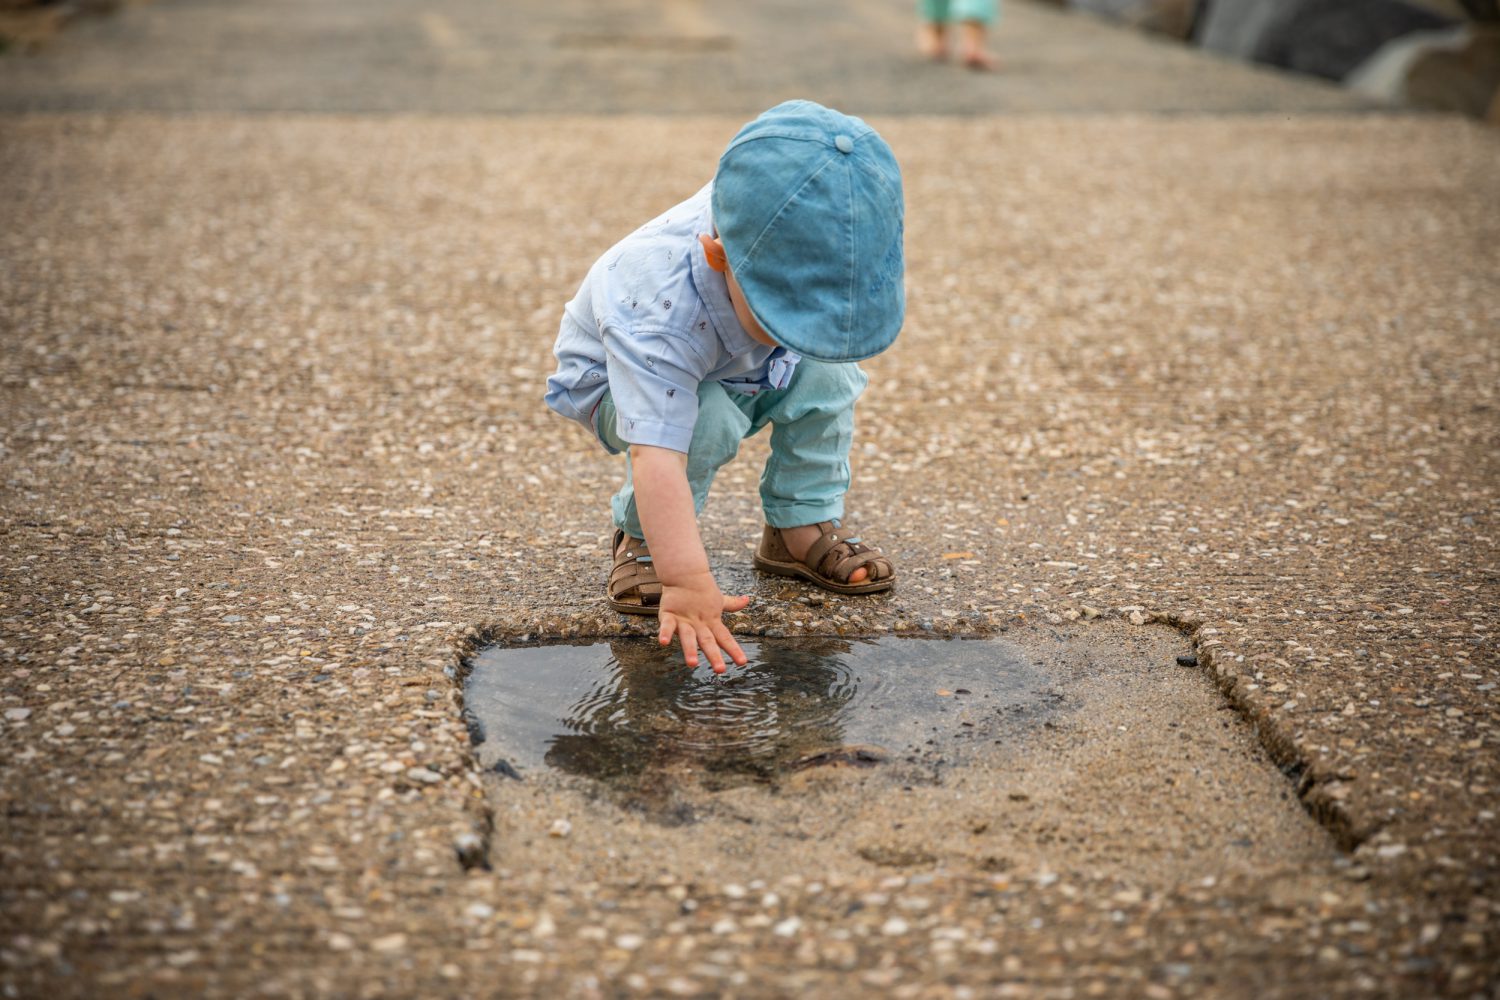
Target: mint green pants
<point x="812" y="427"/>
<point x="938" y="11"/>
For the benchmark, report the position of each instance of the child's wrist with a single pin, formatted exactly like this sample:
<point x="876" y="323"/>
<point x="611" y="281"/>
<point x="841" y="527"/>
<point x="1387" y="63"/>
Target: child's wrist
<point x="686" y="578"/>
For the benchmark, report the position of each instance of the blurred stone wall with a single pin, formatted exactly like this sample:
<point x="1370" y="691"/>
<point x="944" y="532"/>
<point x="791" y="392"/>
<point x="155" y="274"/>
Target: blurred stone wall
<point x="1440" y="54"/>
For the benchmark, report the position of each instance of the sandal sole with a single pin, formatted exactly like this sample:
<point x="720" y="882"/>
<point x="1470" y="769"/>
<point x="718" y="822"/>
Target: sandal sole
<point x="801" y="572"/>
<point x="647" y="611"/>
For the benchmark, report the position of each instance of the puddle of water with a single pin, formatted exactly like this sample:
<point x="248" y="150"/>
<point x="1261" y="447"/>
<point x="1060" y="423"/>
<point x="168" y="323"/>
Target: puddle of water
<point x="1091" y="753"/>
<point x="619" y="709"/>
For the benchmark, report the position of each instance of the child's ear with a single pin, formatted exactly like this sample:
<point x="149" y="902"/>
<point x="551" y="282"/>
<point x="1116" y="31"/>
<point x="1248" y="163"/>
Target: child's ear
<point x="713" y="249"/>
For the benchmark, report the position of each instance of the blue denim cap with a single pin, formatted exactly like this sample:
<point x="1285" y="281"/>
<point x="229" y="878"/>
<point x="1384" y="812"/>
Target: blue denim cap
<point x="808" y="203"/>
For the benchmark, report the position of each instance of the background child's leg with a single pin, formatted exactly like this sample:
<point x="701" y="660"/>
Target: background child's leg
<point x="932" y="32"/>
<point x="716" y="439"/>
<point x="975" y="17"/>
<point x="812" y="427"/>
<point x="983" y="11"/>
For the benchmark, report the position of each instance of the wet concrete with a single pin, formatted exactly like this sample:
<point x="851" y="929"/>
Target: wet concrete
<point x="863" y="756"/>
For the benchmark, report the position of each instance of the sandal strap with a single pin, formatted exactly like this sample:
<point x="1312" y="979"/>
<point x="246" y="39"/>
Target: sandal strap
<point x="648" y="590"/>
<point x="875" y="563"/>
<point x="633" y="553"/>
<point x="840" y="551"/>
<point x="832" y="537"/>
<point x="633" y="570"/>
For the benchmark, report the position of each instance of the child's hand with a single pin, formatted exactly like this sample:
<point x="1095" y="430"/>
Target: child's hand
<point x="692" y="608"/>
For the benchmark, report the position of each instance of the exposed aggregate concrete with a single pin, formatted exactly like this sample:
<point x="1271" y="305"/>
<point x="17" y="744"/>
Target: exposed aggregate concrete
<point x="274" y="454"/>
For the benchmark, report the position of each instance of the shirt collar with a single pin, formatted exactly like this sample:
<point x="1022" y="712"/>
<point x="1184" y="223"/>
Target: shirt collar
<point x="713" y="290"/>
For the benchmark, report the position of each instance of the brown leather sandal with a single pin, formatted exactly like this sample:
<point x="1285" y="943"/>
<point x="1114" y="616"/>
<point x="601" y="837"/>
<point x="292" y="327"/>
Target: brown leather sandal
<point x="633" y="587"/>
<point x="830" y="560"/>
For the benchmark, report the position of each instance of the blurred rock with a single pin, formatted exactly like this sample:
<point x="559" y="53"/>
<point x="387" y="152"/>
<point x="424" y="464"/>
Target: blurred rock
<point x="1327" y="38"/>
<point x="1169" y="17"/>
<point x="471" y="851"/>
<point x="29" y="25"/>
<point x="1453" y="70"/>
<point x="1439" y="54"/>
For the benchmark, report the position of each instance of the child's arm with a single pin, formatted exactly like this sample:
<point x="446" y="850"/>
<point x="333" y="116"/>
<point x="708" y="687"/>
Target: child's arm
<point x="692" y="607"/>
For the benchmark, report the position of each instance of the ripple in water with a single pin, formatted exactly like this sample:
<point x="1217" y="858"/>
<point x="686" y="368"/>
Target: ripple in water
<point x="625" y="707"/>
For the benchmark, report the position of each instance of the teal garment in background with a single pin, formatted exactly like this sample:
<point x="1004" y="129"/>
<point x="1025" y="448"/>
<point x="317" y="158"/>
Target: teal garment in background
<point x="938" y="11"/>
<point x="812" y="428"/>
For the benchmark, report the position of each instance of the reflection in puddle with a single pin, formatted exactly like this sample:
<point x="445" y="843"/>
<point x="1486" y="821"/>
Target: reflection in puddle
<point x="623" y="709"/>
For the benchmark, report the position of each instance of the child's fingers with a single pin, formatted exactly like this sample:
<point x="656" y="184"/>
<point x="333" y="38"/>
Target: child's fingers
<point x="736" y="603"/>
<point x="668" y="628"/>
<point x="689" y="644"/>
<point x="711" y="650"/>
<point x="727" y="643"/>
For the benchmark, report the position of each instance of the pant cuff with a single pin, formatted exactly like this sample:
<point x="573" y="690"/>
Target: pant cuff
<point x="626" y="518"/>
<point x="795" y="515"/>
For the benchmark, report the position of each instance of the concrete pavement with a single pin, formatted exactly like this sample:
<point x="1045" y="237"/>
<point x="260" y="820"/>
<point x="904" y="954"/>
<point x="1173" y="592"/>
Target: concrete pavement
<point x="631" y="56"/>
<point x="275" y="459"/>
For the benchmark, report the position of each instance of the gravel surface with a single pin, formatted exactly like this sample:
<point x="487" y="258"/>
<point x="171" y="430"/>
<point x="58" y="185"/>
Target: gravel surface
<point x="275" y="457"/>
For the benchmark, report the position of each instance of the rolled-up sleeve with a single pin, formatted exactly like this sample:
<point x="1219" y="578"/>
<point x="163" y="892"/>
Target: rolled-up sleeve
<point x="653" y="379"/>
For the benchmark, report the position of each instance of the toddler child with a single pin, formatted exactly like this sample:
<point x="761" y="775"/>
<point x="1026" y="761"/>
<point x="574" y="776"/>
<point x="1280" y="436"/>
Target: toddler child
<point x="745" y="306"/>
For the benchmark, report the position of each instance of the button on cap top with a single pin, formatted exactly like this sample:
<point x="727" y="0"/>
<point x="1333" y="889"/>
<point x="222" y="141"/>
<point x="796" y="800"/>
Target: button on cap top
<point x="843" y="144"/>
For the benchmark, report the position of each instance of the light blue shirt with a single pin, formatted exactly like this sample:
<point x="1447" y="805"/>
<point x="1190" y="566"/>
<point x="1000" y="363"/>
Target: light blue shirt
<point x="650" y="323"/>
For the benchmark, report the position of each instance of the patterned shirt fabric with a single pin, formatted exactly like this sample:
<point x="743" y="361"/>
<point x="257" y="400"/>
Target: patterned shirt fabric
<point x="650" y="323"/>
